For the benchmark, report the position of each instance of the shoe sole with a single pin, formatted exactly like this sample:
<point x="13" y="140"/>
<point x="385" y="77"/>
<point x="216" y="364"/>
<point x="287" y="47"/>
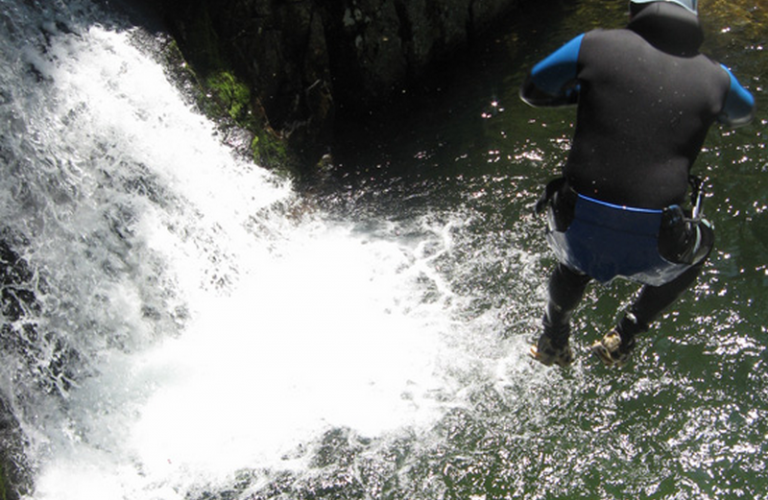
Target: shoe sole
<point x="534" y="353"/>
<point x="605" y="356"/>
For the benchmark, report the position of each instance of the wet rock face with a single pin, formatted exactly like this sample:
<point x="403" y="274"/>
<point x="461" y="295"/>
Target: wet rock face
<point x="17" y="302"/>
<point x="280" y="48"/>
<point x="307" y="59"/>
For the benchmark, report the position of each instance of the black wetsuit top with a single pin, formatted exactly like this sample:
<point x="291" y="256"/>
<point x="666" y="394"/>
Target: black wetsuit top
<point x="646" y="99"/>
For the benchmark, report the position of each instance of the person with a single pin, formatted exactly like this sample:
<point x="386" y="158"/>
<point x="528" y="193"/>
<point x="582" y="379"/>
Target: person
<point x="645" y="99"/>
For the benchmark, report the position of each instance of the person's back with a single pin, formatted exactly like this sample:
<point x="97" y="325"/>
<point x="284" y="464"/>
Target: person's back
<point x="646" y="101"/>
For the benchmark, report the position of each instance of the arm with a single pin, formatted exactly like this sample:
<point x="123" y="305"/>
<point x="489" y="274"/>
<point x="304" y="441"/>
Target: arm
<point x="553" y="82"/>
<point x="739" y="106"/>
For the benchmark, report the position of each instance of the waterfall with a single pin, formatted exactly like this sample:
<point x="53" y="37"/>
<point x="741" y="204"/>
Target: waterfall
<point x="177" y="314"/>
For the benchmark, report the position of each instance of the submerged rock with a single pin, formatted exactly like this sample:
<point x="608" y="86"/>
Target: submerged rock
<point x="310" y="63"/>
<point x="17" y="300"/>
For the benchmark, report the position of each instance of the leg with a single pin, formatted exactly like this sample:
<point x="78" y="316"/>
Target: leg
<point x="566" y="289"/>
<point x="694" y="245"/>
<point x="614" y="349"/>
<point x="651" y="302"/>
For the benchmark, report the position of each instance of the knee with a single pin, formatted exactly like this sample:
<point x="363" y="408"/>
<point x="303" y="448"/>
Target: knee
<point x="566" y="286"/>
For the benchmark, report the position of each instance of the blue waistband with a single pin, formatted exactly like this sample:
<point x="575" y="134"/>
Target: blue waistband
<point x="621" y="207"/>
<point x="619" y="219"/>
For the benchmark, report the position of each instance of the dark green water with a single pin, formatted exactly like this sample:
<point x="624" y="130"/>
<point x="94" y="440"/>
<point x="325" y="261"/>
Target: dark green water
<point x="687" y="418"/>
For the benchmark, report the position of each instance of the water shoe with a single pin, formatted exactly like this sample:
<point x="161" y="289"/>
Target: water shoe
<point x="612" y="351"/>
<point x="547" y="353"/>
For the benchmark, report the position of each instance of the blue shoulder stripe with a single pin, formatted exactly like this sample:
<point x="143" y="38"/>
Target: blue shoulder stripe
<point x="559" y="68"/>
<point x="739" y="108"/>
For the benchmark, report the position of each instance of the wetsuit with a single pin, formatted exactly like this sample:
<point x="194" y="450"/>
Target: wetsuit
<point x="646" y="99"/>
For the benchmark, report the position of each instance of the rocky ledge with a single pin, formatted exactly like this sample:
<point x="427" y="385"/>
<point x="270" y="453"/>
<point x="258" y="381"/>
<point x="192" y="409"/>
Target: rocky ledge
<point x="309" y="64"/>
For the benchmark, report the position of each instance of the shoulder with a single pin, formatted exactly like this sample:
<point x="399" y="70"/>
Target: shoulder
<point x="715" y="74"/>
<point x="610" y="42"/>
<point x="609" y="37"/>
<point x="600" y="35"/>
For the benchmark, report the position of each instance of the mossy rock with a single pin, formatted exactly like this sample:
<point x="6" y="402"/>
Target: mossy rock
<point x="233" y="95"/>
<point x="268" y="150"/>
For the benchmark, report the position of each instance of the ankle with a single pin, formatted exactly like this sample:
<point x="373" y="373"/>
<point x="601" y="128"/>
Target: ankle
<point x="558" y="333"/>
<point x="630" y="325"/>
<point x="627" y="328"/>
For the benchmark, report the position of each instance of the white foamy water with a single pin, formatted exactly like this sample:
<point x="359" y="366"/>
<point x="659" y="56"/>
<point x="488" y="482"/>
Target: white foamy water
<point x="196" y="325"/>
<point x="195" y="317"/>
<point x="313" y="342"/>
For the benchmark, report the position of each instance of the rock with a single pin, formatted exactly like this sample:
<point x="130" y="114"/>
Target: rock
<point x="17" y="299"/>
<point x="310" y="63"/>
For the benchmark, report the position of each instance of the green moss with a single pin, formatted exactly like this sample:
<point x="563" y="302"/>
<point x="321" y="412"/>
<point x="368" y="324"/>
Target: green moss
<point x="197" y="51"/>
<point x="232" y="98"/>
<point x="268" y="150"/>
<point x="233" y="95"/>
<point x="220" y="94"/>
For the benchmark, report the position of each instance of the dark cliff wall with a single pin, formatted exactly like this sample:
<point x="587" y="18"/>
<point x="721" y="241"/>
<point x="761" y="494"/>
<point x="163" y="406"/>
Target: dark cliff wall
<point x="309" y="63"/>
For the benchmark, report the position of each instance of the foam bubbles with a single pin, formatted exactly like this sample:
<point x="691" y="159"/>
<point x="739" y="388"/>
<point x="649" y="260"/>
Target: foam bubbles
<point x="220" y="332"/>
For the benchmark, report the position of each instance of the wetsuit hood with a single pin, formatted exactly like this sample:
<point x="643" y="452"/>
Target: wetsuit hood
<point x="669" y="28"/>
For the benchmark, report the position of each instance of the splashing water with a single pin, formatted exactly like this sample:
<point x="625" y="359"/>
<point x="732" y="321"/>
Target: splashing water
<point x="193" y="326"/>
